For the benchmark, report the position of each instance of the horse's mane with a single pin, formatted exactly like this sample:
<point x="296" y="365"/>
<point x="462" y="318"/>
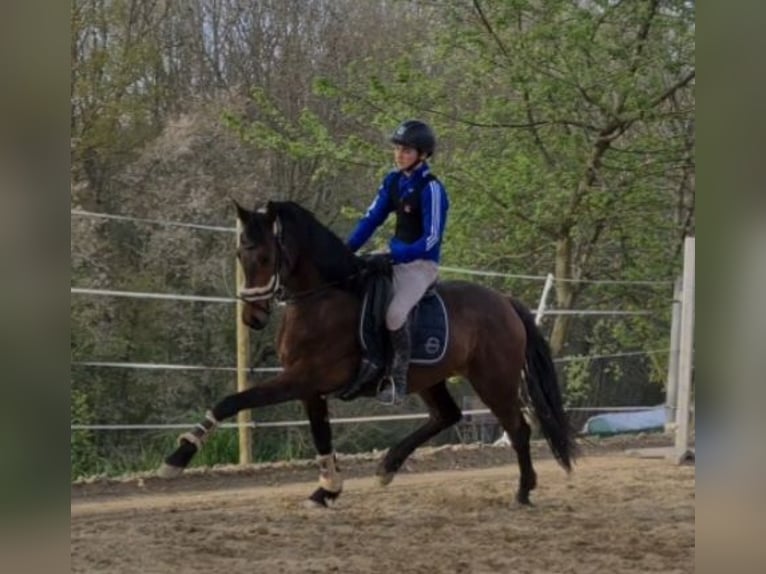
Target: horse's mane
<point x="328" y="253"/>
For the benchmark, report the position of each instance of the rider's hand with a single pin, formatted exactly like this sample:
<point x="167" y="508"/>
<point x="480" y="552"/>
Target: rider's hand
<point x="378" y="263"/>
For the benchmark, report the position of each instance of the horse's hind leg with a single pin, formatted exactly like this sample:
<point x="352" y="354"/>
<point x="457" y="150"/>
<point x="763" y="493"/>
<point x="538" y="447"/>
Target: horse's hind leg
<point x="528" y="477"/>
<point x="330" y="481"/>
<point x="443" y="414"/>
<point x="501" y="397"/>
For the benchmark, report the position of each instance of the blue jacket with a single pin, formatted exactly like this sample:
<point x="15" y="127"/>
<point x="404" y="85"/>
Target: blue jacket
<point x="434" y="206"/>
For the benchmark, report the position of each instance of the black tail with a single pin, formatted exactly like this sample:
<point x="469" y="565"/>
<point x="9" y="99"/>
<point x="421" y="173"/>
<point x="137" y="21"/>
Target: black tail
<point x="543" y="389"/>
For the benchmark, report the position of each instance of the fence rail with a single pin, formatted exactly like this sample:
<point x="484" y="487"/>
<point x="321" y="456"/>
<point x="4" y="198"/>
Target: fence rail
<point x="214" y="299"/>
<point x="340" y="420"/>
<point x="445" y="268"/>
<point x="178" y="367"/>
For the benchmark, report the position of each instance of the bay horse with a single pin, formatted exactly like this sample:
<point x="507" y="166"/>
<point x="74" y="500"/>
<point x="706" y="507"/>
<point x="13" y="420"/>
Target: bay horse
<point x="286" y="253"/>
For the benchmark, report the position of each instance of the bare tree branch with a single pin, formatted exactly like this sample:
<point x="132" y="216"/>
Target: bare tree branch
<point x="673" y="89"/>
<point x="491" y="30"/>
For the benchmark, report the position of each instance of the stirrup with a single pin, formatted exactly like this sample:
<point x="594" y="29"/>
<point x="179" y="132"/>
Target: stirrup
<point x="388" y="393"/>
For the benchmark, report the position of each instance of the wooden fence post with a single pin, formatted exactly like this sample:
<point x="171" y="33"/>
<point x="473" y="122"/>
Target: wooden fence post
<point x="671" y="385"/>
<point x="686" y="355"/>
<point x="243" y="347"/>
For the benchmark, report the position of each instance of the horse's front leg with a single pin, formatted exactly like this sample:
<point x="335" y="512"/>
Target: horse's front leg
<point x="330" y="481"/>
<point x="280" y="389"/>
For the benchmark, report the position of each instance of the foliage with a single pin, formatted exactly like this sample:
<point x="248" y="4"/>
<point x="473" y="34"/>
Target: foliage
<point x="83" y="454"/>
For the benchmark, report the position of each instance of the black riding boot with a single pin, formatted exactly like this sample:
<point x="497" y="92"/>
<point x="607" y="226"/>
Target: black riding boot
<point x="367" y="374"/>
<point x="395" y="387"/>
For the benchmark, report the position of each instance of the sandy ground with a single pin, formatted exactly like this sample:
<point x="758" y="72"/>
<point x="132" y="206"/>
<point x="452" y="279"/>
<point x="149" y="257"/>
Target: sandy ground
<point x="613" y="514"/>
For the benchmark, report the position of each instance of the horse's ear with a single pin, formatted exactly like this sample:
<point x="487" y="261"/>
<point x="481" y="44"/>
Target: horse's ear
<point x="271" y="212"/>
<point x="242" y="213"/>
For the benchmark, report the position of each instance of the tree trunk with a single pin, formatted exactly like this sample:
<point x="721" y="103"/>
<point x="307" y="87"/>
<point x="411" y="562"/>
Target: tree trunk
<point x="565" y="293"/>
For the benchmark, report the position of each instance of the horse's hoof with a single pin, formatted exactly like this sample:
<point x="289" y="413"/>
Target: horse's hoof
<point x="169" y="471"/>
<point x="384" y="475"/>
<point x="311" y="504"/>
<point x="385" y="478"/>
<point x="523" y="499"/>
<point x="322" y="498"/>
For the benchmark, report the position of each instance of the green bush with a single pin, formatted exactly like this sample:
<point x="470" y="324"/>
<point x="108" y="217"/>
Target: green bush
<point x="83" y="452"/>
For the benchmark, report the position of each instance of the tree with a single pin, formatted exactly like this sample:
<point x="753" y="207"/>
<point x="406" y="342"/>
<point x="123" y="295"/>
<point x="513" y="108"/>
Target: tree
<point x="567" y="132"/>
<point x="566" y="140"/>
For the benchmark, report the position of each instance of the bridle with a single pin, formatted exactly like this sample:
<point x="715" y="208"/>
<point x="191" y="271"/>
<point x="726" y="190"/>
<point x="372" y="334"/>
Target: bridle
<point x="274" y="288"/>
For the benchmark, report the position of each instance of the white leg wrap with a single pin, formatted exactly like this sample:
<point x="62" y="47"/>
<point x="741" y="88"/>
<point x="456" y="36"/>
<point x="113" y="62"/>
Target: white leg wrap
<point x="192" y="438"/>
<point x="531" y="418"/>
<point x="329" y="476"/>
<point x="201" y="431"/>
<point x="209" y="416"/>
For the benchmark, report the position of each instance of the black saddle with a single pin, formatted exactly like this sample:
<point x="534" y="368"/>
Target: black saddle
<point x="429" y="332"/>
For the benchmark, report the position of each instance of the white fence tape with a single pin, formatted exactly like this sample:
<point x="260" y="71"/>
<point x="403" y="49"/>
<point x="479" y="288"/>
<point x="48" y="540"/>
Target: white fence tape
<point x="82" y="213"/>
<point x="347" y="420"/>
<point x="210" y="299"/>
<point x="459" y="270"/>
<point x="140" y="295"/>
<point x="177" y="367"/>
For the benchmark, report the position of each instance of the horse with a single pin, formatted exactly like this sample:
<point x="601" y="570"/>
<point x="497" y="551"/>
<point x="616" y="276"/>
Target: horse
<point x="287" y="254"/>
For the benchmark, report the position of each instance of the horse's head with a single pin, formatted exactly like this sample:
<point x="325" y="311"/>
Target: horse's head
<point x="284" y="248"/>
<point x="260" y="254"/>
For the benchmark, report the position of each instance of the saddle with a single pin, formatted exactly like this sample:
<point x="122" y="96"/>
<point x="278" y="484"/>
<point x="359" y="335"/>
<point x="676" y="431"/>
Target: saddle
<point x="429" y="328"/>
<point x="428" y="325"/>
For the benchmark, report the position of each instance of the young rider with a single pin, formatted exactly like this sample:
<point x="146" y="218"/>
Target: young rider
<point x="420" y="203"/>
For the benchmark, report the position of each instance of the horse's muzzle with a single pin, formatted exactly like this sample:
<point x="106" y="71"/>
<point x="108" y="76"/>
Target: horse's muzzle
<point x="256" y="315"/>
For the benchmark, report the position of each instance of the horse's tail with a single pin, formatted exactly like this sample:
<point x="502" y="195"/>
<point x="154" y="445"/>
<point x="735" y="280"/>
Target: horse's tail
<point x="543" y="389"/>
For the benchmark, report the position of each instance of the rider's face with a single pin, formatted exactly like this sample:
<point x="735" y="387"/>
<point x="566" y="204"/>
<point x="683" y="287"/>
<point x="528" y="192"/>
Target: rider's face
<point x="406" y="158"/>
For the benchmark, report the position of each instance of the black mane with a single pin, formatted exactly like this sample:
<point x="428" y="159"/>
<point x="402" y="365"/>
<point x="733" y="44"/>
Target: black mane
<point x="329" y="254"/>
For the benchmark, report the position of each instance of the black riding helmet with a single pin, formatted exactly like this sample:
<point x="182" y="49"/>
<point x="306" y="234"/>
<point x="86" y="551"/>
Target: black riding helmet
<point x="415" y="134"/>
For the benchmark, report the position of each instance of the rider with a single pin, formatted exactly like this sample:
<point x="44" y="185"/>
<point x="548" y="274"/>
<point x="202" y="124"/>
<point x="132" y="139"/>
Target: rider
<point x="420" y="202"/>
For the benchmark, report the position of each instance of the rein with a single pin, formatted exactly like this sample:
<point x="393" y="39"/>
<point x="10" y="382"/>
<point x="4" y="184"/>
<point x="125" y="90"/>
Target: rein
<point x="302" y="295"/>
